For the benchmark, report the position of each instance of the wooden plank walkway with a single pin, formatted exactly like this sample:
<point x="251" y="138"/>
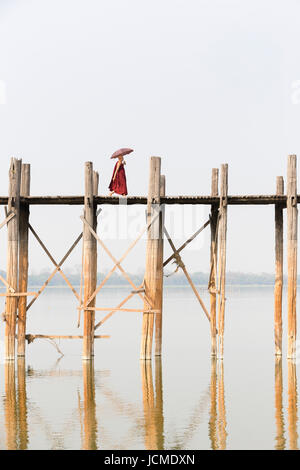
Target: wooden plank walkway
<point x="130" y="200"/>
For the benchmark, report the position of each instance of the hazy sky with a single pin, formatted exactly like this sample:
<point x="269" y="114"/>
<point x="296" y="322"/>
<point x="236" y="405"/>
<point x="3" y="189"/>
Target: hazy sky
<point x="196" y="82"/>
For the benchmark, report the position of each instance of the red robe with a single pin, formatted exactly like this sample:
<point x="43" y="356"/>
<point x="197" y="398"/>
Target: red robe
<point x="118" y="185"/>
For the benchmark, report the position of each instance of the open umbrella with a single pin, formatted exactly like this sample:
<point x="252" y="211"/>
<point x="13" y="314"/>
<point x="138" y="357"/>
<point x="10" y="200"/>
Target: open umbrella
<point x="121" y="152"/>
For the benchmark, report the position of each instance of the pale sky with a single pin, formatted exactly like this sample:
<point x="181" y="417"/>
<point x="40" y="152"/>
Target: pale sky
<point x="197" y="82"/>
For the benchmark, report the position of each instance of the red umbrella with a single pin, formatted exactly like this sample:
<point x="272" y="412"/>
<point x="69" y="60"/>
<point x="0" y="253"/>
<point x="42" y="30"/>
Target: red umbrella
<point x="121" y="152"/>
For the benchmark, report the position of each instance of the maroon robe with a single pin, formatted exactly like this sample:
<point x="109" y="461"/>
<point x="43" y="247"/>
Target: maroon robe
<point x="118" y="185"/>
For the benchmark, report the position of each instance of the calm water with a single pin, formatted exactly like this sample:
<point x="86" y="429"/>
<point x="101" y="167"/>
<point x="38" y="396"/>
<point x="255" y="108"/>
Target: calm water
<point x="184" y="401"/>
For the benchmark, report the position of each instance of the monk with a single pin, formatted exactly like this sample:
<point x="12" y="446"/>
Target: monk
<point x="118" y="181"/>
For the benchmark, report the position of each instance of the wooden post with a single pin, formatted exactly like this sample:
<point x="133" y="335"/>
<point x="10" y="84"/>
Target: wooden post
<point x="213" y="261"/>
<point x="292" y="225"/>
<point x="222" y="256"/>
<point x="23" y="257"/>
<point x="90" y="266"/>
<point x="160" y="273"/>
<point x="278" y="268"/>
<point x="152" y="254"/>
<point x="12" y="256"/>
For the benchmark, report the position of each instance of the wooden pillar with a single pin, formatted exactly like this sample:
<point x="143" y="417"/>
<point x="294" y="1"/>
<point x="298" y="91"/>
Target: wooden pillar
<point x="292" y="224"/>
<point x="152" y="255"/>
<point x="160" y="273"/>
<point x="23" y="257"/>
<point x="213" y="261"/>
<point x="12" y="256"/>
<point x="222" y="256"/>
<point x="278" y="268"/>
<point x="90" y="265"/>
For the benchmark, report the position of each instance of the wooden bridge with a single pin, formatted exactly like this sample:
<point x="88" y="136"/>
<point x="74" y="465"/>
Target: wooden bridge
<point x="17" y="206"/>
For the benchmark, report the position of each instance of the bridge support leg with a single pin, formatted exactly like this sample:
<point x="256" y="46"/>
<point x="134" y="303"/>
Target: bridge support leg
<point x="23" y="257"/>
<point x="222" y="256"/>
<point x="90" y="260"/>
<point x="292" y="225"/>
<point x="213" y="262"/>
<point x="160" y="274"/>
<point x="152" y="277"/>
<point x="278" y="268"/>
<point x="12" y="257"/>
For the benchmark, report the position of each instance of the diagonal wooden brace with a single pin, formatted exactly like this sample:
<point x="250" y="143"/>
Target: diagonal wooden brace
<point x="117" y="262"/>
<point x="181" y="264"/>
<point x="187" y="242"/>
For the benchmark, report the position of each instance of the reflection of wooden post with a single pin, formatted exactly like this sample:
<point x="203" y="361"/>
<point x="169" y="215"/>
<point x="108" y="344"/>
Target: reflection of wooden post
<point x="278" y="268"/>
<point x="292" y="223"/>
<point x="292" y="405"/>
<point x="159" y="415"/>
<point x="280" y="440"/>
<point x="222" y="256"/>
<point x="90" y="265"/>
<point x="12" y="256"/>
<point x="23" y="257"/>
<point x="160" y="273"/>
<point x="10" y="406"/>
<point x="151" y="272"/>
<point x="22" y="405"/>
<point x="213" y="261"/>
<point x="221" y="408"/>
<point x="148" y="402"/>
<point x="89" y="406"/>
<point x="213" y="406"/>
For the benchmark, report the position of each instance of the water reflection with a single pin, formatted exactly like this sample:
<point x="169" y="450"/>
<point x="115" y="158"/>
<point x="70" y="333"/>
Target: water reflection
<point x="292" y="405"/>
<point x="217" y="422"/>
<point x="89" y="407"/>
<point x="83" y="429"/>
<point x="153" y="405"/>
<point x="280" y="441"/>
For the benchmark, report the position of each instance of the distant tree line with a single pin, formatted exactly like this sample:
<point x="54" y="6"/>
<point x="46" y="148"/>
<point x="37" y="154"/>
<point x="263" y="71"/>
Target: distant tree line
<point x="177" y="279"/>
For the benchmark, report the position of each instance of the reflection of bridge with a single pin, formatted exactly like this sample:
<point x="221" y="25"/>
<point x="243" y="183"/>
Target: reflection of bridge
<point x="150" y="423"/>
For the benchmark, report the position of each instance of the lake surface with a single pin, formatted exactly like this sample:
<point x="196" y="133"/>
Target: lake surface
<point x="183" y="401"/>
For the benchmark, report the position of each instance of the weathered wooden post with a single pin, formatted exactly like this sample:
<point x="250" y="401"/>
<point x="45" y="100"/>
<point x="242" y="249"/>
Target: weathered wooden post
<point x="222" y="256"/>
<point x="160" y="273"/>
<point x="292" y="227"/>
<point x="23" y="257"/>
<point x="213" y="261"/>
<point x="278" y="268"/>
<point x="12" y="257"/>
<point x="90" y="265"/>
<point x="152" y="255"/>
